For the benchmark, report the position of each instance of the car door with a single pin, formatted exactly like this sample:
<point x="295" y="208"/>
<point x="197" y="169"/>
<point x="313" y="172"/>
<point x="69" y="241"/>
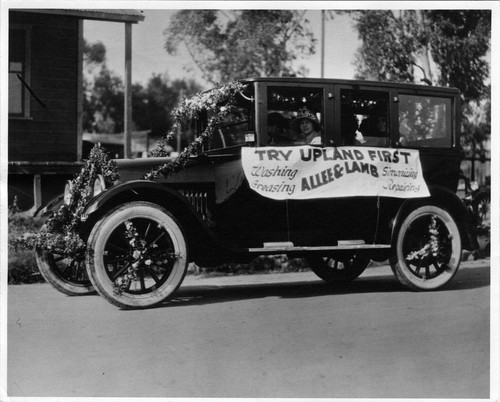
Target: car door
<point x="338" y="219"/>
<point x="242" y="217"/>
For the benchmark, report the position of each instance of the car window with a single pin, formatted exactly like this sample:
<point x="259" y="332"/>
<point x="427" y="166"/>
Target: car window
<point x="231" y="131"/>
<point x="364" y="118"/>
<point x="294" y="115"/>
<point x="425" y="121"/>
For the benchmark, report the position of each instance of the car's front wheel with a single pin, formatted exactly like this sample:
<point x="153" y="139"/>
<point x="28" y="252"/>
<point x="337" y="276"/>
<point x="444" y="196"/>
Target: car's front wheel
<point x="428" y="249"/>
<point x="338" y="269"/>
<point x="137" y="255"/>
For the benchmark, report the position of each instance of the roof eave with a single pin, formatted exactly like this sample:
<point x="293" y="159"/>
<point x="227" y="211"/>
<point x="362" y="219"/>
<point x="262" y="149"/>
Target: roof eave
<point x="101" y="15"/>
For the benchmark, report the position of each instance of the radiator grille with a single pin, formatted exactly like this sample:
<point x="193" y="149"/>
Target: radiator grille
<point x="199" y="201"/>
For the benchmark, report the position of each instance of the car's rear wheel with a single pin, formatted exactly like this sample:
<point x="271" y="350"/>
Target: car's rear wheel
<point x="338" y="269"/>
<point x="66" y="274"/>
<point x="428" y="249"/>
<point x="137" y="255"/>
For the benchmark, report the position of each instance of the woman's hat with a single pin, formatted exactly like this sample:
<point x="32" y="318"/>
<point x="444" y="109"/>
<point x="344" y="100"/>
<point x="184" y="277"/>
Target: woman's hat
<point x="304" y="113"/>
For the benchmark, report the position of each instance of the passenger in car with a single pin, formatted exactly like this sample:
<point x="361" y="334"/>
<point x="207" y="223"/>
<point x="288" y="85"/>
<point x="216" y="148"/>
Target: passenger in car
<point x="280" y="133"/>
<point x="349" y="129"/>
<point x="308" y="127"/>
<point x="277" y="126"/>
<point x="374" y="130"/>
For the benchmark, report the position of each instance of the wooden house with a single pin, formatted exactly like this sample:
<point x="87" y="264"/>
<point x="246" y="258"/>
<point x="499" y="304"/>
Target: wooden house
<point x="45" y="133"/>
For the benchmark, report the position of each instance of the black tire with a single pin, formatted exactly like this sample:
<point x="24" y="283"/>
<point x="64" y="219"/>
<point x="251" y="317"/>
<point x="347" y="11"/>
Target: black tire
<point x="438" y="254"/>
<point x="482" y="208"/>
<point x="160" y="261"/>
<point x="339" y="269"/>
<point x="67" y="275"/>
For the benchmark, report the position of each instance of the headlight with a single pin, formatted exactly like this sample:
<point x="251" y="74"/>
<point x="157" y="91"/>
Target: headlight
<point x="474" y="185"/>
<point x="67" y="192"/>
<point x="99" y="185"/>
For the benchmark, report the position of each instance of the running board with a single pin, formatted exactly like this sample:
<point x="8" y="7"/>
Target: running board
<point x="288" y="246"/>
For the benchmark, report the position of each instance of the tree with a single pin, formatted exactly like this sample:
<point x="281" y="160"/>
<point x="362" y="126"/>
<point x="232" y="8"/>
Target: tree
<point x="104" y="97"/>
<point x="104" y="103"/>
<point x="389" y="46"/>
<point x="151" y="106"/>
<point x="228" y="45"/>
<point x="476" y="127"/>
<point x="459" y="41"/>
<point x="94" y="57"/>
<point x="93" y="53"/>
<point x="103" y="92"/>
<point x="449" y="46"/>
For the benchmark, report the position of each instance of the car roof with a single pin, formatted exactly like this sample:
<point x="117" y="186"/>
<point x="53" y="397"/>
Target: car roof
<point x="375" y="84"/>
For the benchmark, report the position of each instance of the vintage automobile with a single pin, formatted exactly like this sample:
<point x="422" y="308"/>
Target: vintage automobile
<point x="377" y="183"/>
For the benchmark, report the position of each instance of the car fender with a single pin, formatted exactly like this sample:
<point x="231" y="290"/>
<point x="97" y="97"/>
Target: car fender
<point x="134" y="190"/>
<point x="146" y="190"/>
<point x="447" y="199"/>
<point x="47" y="208"/>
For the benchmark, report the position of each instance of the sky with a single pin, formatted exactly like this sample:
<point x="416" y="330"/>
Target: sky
<point x="149" y="56"/>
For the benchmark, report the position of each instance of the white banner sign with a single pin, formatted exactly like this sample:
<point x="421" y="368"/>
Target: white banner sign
<point x="311" y="172"/>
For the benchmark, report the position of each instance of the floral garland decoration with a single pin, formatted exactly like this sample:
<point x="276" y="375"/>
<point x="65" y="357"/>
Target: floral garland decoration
<point x="431" y="249"/>
<point x="60" y="232"/>
<point x="142" y="254"/>
<point x="220" y="101"/>
<point x="123" y="282"/>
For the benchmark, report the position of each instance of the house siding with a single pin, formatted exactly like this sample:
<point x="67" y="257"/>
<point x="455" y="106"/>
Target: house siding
<point x="50" y="134"/>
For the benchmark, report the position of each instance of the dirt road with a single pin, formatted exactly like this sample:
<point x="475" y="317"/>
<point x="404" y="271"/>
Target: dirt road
<point x="287" y="335"/>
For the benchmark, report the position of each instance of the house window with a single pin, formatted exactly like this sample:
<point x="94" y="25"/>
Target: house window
<point x="18" y="65"/>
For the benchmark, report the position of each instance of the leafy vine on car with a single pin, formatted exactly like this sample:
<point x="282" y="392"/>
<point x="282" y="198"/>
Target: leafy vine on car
<point x="220" y="101"/>
<point x="60" y="231"/>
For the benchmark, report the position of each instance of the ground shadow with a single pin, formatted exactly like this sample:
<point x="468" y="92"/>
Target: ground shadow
<point x="467" y="278"/>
